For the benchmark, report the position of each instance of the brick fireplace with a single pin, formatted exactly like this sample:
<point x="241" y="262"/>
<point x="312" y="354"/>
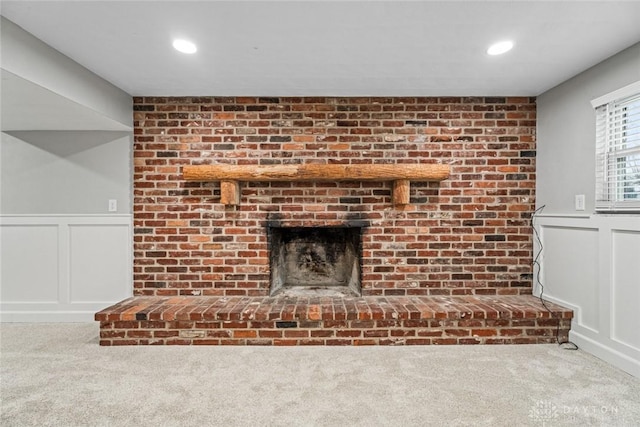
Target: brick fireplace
<point x="463" y="242"/>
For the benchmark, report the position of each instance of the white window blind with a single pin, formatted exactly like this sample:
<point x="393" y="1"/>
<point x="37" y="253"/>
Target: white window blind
<point x="618" y="152"/>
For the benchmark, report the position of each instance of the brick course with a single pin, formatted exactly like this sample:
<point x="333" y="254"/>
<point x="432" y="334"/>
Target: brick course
<point x="468" y="235"/>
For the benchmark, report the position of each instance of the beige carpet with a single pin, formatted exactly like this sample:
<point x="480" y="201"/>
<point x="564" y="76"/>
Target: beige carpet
<point x="57" y="375"/>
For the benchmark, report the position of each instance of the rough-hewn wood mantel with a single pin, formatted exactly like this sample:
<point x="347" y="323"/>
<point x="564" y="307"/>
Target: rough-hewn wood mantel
<point x="230" y="175"/>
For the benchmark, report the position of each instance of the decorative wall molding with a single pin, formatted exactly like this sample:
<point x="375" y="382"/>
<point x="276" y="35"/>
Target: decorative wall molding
<point x="588" y="264"/>
<point x="63" y="268"/>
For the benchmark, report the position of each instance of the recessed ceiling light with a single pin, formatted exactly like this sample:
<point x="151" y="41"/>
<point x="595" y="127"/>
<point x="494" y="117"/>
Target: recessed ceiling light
<point x="500" y="48"/>
<point x="184" y="46"/>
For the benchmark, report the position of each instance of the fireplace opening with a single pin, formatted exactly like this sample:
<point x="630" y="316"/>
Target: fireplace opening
<point x="315" y="261"/>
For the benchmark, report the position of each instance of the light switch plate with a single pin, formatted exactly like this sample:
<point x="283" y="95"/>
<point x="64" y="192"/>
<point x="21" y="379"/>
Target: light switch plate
<point x="580" y="201"/>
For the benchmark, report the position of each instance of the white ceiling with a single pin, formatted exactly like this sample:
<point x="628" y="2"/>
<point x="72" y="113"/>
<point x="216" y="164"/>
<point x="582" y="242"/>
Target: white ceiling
<point x="332" y="48"/>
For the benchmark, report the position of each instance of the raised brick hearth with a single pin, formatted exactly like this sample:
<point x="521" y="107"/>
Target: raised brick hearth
<point x="332" y="321"/>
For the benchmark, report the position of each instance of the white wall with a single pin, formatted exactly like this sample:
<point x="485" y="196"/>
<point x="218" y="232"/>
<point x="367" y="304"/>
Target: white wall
<point x="76" y="172"/>
<point x="566" y="131"/>
<point x="590" y="262"/>
<point x="63" y="254"/>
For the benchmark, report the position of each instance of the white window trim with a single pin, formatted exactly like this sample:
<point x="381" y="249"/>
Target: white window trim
<point x="616" y="94"/>
<point x="613" y="206"/>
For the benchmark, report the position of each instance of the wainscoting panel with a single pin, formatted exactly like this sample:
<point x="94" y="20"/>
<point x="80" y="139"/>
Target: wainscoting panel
<point x="96" y="270"/>
<point x="63" y="268"/>
<point x="591" y="264"/>
<point x="30" y="263"/>
<point x="570" y="258"/>
<point x="625" y="296"/>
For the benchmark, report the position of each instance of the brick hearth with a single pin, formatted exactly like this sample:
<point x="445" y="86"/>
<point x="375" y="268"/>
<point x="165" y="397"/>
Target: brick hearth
<point x="414" y="320"/>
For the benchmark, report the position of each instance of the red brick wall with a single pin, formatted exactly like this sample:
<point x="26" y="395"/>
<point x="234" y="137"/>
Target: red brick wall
<point x="467" y="235"/>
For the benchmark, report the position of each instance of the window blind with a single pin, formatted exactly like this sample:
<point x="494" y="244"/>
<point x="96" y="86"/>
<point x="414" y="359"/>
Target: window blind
<point x="618" y="155"/>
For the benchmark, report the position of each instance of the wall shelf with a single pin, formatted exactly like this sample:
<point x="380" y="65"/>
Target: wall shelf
<point x="231" y="175"/>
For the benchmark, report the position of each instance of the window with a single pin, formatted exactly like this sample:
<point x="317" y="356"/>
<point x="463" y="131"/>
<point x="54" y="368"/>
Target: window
<point x="618" y="150"/>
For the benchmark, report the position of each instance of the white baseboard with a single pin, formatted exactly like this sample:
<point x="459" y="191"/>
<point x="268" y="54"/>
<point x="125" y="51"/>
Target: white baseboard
<point x="47" y="316"/>
<point x="606" y="353"/>
<point x="51" y="312"/>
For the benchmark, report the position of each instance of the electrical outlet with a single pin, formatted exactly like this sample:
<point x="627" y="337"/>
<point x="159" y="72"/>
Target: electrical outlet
<point x="113" y="205"/>
<point x="579" y="201"/>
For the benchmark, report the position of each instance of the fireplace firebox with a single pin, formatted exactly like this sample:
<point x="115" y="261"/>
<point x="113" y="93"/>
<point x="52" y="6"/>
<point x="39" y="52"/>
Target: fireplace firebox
<point x="315" y="260"/>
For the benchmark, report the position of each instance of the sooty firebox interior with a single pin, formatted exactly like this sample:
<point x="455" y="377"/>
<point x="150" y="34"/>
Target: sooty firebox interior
<point x="315" y="260"/>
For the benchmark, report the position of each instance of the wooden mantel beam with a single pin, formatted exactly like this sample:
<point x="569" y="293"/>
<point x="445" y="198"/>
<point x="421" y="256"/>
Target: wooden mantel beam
<point x="400" y="174"/>
<point x="317" y="172"/>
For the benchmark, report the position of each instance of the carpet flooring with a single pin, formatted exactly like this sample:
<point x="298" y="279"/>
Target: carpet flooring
<point x="57" y="375"/>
